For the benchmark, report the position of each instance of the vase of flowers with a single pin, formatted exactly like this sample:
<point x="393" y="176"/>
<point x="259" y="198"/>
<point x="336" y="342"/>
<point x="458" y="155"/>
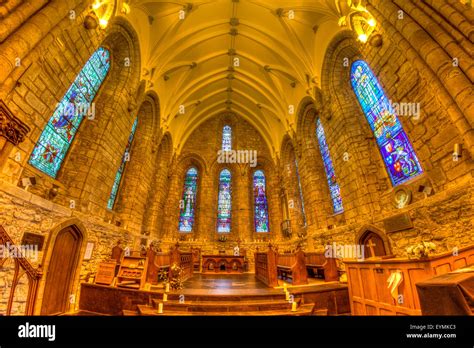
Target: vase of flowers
<point x="421" y="250"/>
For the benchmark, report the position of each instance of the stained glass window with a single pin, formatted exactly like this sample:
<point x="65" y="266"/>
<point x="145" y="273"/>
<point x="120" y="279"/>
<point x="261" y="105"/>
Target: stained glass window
<point x="260" y="200"/>
<point x="328" y="167"/>
<point x="125" y="159"/>
<point x="303" y="213"/>
<point x="224" y="202"/>
<point x="397" y="152"/>
<point x="61" y="128"/>
<point x="188" y="203"/>
<point x="226" y="138"/>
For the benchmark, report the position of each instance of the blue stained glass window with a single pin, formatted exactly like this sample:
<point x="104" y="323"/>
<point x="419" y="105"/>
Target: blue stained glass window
<point x="397" y="152"/>
<point x="303" y="213"/>
<point x="61" y="128"/>
<point x="260" y="201"/>
<point x="125" y="158"/>
<point x="226" y="138"/>
<point x="188" y="203"/>
<point x="328" y="167"/>
<point x="224" y="202"/>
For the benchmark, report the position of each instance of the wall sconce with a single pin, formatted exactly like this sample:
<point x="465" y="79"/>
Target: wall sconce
<point x="27" y="182"/>
<point x="53" y="191"/>
<point x="457" y="153"/>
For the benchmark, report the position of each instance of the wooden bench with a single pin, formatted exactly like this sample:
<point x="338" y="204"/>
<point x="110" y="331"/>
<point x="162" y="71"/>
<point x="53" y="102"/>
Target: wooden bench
<point x="292" y="268"/>
<point x="318" y="266"/>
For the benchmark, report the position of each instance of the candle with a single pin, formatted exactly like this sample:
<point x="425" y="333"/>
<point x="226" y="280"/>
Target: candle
<point x="167" y="287"/>
<point x="160" y="308"/>
<point x="293" y="307"/>
<point x="165" y="297"/>
<point x="284" y="287"/>
<point x="287" y="295"/>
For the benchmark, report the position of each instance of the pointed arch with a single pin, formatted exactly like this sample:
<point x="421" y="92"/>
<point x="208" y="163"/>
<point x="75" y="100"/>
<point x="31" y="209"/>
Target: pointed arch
<point x="188" y="206"/>
<point x="121" y="169"/>
<point x="224" y="202"/>
<point x="396" y="149"/>
<point x="260" y="202"/>
<point x="226" y="138"/>
<point x="329" y="169"/>
<point x="58" y="135"/>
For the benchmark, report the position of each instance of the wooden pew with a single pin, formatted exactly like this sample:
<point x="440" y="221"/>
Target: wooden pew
<point x="317" y="263"/>
<point x="157" y="262"/>
<point x="292" y="267"/>
<point x="266" y="268"/>
<point x="367" y="280"/>
<point x="183" y="259"/>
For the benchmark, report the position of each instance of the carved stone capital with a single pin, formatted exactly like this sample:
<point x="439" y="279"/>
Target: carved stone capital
<point x="11" y="127"/>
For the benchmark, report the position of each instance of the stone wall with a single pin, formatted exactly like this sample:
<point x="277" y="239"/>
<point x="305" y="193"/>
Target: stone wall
<point x="445" y="215"/>
<point x="201" y="151"/>
<point x="21" y="211"/>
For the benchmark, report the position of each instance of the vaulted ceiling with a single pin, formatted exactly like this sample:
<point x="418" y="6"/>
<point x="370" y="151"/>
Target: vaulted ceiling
<point x="256" y="58"/>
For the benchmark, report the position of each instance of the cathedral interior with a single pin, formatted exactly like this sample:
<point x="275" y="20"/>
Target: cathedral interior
<point x="309" y="157"/>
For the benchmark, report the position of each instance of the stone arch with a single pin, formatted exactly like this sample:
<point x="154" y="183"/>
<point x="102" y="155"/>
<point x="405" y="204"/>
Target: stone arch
<point x="92" y="173"/>
<point x="215" y="171"/>
<point x="157" y="196"/>
<point x="137" y="180"/>
<point x="272" y="191"/>
<point x="317" y="199"/>
<point x="368" y="232"/>
<point x="54" y="232"/>
<point x="292" y="202"/>
<point x="354" y="154"/>
<point x="176" y="184"/>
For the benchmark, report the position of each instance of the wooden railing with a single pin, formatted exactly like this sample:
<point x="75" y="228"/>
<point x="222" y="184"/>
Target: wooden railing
<point x="22" y="267"/>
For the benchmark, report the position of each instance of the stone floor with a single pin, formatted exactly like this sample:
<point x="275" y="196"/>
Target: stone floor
<point x="228" y="282"/>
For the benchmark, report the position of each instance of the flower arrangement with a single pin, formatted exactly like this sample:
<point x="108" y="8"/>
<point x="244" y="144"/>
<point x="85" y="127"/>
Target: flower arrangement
<point x="223" y="239"/>
<point x="421" y="250"/>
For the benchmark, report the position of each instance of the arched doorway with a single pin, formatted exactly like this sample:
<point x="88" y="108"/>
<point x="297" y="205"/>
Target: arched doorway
<point x="373" y="245"/>
<point x="61" y="271"/>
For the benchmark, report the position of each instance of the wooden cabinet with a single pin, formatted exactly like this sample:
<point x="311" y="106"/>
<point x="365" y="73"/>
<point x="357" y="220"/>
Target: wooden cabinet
<point x="368" y="281"/>
<point x="132" y="273"/>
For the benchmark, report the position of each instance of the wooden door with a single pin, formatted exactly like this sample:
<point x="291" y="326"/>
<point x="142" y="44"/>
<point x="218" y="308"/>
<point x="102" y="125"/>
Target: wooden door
<point x="373" y="245"/>
<point x="61" y="271"/>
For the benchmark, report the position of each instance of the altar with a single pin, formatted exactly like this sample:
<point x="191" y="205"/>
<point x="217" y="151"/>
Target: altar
<point x="223" y="264"/>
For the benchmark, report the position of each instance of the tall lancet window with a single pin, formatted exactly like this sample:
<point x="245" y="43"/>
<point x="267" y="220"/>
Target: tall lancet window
<point x="328" y="167"/>
<point x="56" y="138"/>
<point x="260" y="202"/>
<point x="188" y="203"/>
<point x="119" y="174"/>
<point x="397" y="152"/>
<point x="224" y="202"/>
<point x="226" y="138"/>
<point x="303" y="213"/>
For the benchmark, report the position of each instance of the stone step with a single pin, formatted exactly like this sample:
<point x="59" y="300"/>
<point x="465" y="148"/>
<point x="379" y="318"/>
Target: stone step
<point x="225" y="297"/>
<point x="225" y="306"/>
<point x="303" y="310"/>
